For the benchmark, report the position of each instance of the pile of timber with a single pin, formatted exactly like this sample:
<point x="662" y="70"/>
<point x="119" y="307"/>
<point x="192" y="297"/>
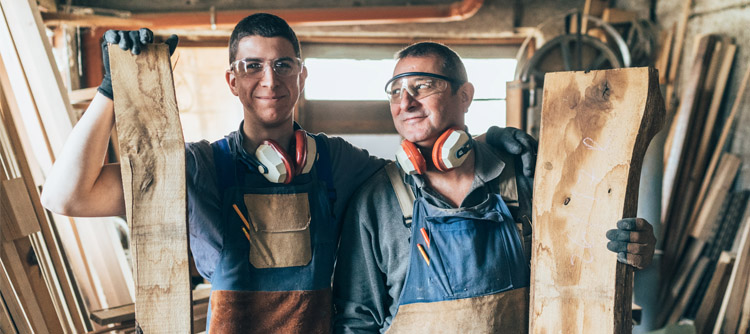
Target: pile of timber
<point x="703" y="279"/>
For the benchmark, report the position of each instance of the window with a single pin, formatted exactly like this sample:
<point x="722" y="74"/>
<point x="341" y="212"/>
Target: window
<point x="344" y="91"/>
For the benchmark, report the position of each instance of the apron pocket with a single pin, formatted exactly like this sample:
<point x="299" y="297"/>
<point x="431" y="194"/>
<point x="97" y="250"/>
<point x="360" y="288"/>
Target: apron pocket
<point x="280" y="233"/>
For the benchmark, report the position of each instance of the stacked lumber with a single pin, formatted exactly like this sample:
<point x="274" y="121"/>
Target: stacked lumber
<point x="54" y="269"/>
<point x="700" y="213"/>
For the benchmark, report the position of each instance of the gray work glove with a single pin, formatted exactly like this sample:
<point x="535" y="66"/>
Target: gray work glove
<point x="127" y="39"/>
<point x="633" y="241"/>
<point x="516" y="142"/>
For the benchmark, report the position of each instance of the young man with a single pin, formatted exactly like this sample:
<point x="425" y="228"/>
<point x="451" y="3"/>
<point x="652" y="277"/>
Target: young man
<point x="264" y="203"/>
<point x="461" y="264"/>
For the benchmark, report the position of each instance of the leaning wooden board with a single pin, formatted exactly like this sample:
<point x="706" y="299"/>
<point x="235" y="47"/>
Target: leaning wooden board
<point x="152" y="155"/>
<point x="595" y="129"/>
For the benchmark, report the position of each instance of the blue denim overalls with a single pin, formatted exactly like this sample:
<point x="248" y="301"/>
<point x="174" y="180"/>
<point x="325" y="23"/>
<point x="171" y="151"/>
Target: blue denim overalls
<point x="275" y="274"/>
<point x="470" y="277"/>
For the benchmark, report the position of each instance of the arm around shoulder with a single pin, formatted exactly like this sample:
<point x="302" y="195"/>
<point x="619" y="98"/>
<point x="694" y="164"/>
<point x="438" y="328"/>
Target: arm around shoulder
<point x="79" y="183"/>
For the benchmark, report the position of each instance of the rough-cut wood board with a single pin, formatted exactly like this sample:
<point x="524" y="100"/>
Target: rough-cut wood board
<point x="702" y="155"/>
<point x="19" y="219"/>
<point x="11" y="299"/>
<point x="723" y="137"/>
<point x="729" y="313"/>
<point x="722" y="182"/>
<point x="45" y="82"/>
<point x="126" y="313"/>
<point x="514" y="115"/>
<point x="662" y="60"/>
<point x="595" y="130"/>
<point x="152" y="156"/>
<point x="709" y="308"/>
<point x="24" y="121"/>
<point x="13" y="255"/>
<point x="687" y="294"/>
<point x="674" y="166"/>
<point x="6" y="322"/>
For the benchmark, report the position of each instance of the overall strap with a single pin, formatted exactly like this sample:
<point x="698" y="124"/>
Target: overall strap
<point x="224" y="162"/>
<point x="404" y="194"/>
<point x="325" y="168"/>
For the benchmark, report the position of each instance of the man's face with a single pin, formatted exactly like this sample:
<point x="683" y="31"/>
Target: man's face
<point x="423" y="121"/>
<point x="268" y="99"/>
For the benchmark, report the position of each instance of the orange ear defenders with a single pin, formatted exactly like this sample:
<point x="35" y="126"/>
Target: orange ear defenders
<point x="450" y="151"/>
<point x="276" y="164"/>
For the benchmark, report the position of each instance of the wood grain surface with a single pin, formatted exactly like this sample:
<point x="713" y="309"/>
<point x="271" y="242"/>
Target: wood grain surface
<point x="595" y="129"/>
<point x="152" y="156"/>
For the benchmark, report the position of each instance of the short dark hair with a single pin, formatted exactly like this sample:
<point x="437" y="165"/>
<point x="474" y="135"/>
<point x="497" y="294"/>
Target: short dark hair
<point x="451" y="67"/>
<point x="264" y="25"/>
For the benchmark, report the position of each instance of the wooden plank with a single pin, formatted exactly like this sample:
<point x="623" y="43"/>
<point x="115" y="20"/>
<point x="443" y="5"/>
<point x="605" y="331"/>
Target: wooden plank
<point x="20" y="218"/>
<point x="45" y="82"/>
<point x="592" y="146"/>
<point x="678" y="42"/>
<point x="84" y="94"/>
<point x="126" y="312"/>
<point x="615" y="16"/>
<point x="662" y="60"/>
<point x="11" y="298"/>
<point x="702" y="156"/>
<point x="687" y="294"/>
<point x="709" y="308"/>
<point x="6" y="322"/>
<point x="729" y="313"/>
<point x="674" y="166"/>
<point x="593" y="8"/>
<point x="720" y="186"/>
<point x="57" y="271"/>
<point x="13" y="258"/>
<point x="514" y="115"/>
<point x="16" y="119"/>
<point x="723" y="137"/>
<point x="152" y="155"/>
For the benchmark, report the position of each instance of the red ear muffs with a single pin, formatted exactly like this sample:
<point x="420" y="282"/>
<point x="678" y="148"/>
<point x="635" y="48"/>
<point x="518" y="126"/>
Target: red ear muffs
<point x="449" y="151"/>
<point x="415" y="162"/>
<point x="300" y="146"/>
<point x="280" y="168"/>
<point x="437" y="150"/>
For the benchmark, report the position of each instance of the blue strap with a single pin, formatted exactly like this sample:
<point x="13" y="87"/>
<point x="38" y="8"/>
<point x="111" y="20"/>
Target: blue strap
<point x="325" y="170"/>
<point x="224" y="162"/>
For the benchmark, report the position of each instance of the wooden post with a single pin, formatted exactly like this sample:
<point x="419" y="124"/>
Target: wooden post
<point x="595" y="129"/>
<point x="152" y="160"/>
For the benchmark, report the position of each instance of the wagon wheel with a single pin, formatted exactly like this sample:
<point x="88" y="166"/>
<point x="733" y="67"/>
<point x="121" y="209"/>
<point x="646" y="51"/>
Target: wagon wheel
<point x="572" y="52"/>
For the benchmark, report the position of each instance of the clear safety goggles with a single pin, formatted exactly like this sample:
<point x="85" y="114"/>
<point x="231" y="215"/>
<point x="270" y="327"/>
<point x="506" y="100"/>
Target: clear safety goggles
<point x="418" y="84"/>
<point x="256" y="67"/>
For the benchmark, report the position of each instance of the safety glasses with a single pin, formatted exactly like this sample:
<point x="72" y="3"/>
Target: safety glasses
<point x="256" y="67"/>
<point x="418" y="84"/>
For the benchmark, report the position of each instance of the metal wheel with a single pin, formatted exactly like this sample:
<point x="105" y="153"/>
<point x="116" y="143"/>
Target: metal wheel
<point x="573" y="52"/>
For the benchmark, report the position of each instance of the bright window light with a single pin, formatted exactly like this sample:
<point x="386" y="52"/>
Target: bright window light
<point x="347" y="79"/>
<point x="363" y="80"/>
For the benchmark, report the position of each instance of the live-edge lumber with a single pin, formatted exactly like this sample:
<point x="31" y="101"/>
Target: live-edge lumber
<point x="595" y="129"/>
<point x="152" y="164"/>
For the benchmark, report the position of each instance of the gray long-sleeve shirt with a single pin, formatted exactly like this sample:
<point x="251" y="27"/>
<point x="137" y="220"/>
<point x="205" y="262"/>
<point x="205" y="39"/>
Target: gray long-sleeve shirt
<point x="374" y="249"/>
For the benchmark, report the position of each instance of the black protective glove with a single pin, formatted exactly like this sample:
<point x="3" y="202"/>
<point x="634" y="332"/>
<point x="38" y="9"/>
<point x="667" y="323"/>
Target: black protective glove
<point x="127" y="39"/>
<point x="633" y="241"/>
<point x="517" y="142"/>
